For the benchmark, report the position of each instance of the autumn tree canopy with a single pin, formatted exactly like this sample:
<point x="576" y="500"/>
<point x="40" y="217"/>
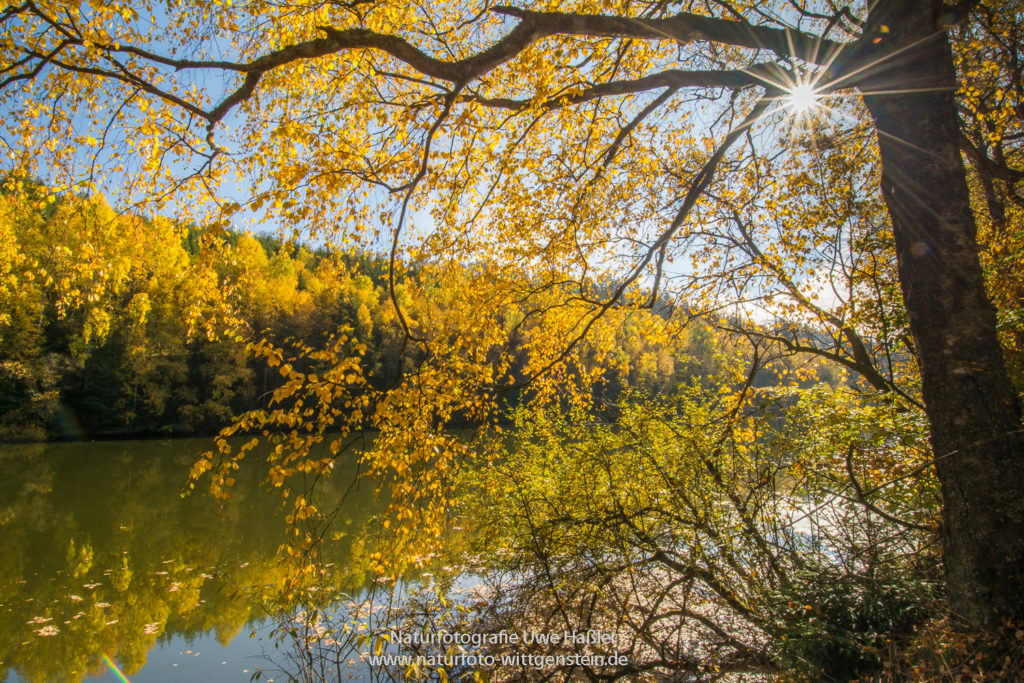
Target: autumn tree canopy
<point x="793" y="169"/>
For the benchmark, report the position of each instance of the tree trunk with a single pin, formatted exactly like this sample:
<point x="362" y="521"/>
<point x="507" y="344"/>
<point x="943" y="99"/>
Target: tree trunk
<point x="969" y="400"/>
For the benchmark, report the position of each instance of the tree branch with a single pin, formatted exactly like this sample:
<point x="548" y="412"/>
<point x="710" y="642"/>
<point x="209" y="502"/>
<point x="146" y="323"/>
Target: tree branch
<point x="674" y="79"/>
<point x="986" y="165"/>
<point x="862" y="498"/>
<point x="686" y="28"/>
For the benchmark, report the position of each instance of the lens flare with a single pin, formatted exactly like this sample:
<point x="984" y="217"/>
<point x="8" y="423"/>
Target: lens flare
<point x="113" y="667"/>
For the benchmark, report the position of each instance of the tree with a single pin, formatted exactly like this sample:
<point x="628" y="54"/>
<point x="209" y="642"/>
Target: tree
<point x="565" y="150"/>
<point x="971" y="405"/>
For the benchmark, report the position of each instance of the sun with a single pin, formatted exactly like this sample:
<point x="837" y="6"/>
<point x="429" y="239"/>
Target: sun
<point x="802" y="99"/>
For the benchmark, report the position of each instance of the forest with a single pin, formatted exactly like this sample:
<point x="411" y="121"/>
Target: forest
<point x="121" y="326"/>
<point x="698" y="326"/>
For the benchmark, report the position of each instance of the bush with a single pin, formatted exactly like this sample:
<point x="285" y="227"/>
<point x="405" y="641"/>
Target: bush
<point x="840" y="626"/>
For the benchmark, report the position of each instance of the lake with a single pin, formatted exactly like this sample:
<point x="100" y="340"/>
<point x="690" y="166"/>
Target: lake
<point x="105" y="565"/>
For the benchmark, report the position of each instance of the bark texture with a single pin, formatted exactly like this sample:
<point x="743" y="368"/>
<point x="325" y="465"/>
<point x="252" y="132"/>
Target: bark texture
<point x="909" y="84"/>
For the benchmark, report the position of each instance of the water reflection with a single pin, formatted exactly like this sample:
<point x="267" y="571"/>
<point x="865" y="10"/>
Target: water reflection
<point x="101" y="556"/>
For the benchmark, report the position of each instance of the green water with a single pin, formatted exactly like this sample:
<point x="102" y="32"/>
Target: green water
<point x="101" y="557"/>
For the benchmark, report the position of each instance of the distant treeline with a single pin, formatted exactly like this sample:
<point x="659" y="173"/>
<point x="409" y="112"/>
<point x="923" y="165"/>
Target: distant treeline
<point x="118" y="325"/>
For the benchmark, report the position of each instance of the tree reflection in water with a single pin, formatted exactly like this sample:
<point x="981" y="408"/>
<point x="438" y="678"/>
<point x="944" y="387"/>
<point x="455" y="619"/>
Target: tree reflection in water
<point x="102" y="556"/>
